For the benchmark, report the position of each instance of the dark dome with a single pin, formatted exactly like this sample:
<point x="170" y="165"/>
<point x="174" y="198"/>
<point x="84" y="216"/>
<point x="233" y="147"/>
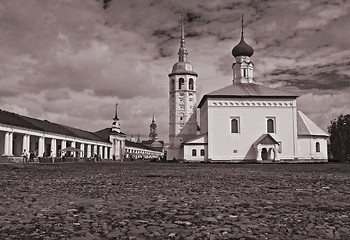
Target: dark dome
<point x="242" y="49"/>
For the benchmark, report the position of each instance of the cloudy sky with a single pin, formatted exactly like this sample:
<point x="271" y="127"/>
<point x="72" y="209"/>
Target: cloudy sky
<point x="70" y="61"/>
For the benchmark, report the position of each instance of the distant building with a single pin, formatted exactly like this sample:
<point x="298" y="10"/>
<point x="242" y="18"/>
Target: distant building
<point x="153" y="138"/>
<point x="19" y="134"/>
<point x="243" y="122"/>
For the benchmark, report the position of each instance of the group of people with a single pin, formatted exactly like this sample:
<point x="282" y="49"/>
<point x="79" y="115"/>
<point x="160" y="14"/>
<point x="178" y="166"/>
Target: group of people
<point x="28" y="156"/>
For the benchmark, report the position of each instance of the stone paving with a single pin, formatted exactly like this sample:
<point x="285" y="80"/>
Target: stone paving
<point x="135" y="200"/>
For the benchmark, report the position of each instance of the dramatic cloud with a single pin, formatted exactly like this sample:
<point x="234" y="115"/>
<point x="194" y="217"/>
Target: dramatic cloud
<point x="70" y="61"/>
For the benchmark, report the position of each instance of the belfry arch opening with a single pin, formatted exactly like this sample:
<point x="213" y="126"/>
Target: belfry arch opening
<point x="190" y="84"/>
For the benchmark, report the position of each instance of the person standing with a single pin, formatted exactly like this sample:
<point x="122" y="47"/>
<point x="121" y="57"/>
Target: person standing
<point x="52" y="157"/>
<point x="31" y="156"/>
<point x="25" y="156"/>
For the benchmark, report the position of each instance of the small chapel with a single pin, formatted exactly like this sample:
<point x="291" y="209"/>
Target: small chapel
<point x="242" y="122"/>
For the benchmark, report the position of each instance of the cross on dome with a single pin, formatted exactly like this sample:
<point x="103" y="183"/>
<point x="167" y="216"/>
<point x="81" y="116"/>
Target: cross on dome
<point x="242" y="48"/>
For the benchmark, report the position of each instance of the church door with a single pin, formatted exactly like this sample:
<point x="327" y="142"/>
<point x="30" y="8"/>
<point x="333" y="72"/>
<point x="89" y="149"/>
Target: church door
<point x="264" y="154"/>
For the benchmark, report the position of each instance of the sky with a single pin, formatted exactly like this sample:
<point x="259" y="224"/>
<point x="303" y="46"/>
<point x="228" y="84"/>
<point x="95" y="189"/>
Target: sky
<point x="70" y="61"/>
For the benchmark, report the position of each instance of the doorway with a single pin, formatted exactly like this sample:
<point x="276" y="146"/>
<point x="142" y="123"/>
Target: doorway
<point x="264" y="154"/>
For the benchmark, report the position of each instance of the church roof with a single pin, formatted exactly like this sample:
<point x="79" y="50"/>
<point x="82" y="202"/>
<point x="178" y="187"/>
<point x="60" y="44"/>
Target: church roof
<point x="306" y="127"/>
<point x="106" y="132"/>
<point x="265" y="139"/>
<point x="14" y="119"/>
<point x="246" y="90"/>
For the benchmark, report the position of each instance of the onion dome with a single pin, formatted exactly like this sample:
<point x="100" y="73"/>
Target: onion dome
<point x="242" y="48"/>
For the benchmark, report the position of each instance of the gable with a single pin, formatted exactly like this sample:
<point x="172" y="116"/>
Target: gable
<point x="265" y="139"/>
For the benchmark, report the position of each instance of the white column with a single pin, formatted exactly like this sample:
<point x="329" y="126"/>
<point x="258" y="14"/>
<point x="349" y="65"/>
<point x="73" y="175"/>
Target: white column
<point x="277" y="157"/>
<point x="95" y="149"/>
<point x="88" y="154"/>
<point x="53" y="147"/>
<point x="10" y="150"/>
<point x="63" y="144"/>
<point x="73" y="145"/>
<point x="106" y="153"/>
<point x="28" y="143"/>
<point x="101" y="151"/>
<point x="82" y="147"/>
<point x="258" y="157"/>
<point x="41" y="146"/>
<point x="111" y="152"/>
<point x="6" y="144"/>
<point x="117" y="149"/>
<point x="24" y="144"/>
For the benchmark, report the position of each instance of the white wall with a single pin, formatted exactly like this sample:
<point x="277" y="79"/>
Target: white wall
<point x="307" y="147"/>
<point x="198" y="143"/>
<point x="253" y="115"/>
<point x="188" y="153"/>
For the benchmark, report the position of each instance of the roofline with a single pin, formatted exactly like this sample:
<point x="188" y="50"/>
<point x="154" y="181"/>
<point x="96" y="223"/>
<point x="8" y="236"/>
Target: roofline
<point x="195" y="143"/>
<point x="182" y="73"/>
<point x="314" y="135"/>
<point x="205" y="97"/>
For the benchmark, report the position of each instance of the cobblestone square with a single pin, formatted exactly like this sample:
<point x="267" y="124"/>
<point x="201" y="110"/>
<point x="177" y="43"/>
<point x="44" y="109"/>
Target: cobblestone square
<point x="143" y="200"/>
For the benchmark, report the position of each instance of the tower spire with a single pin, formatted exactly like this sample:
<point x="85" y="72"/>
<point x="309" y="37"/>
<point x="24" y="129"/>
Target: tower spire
<point x="153" y="118"/>
<point x="242" y="28"/>
<point x="182" y="51"/>
<point x="116" y="124"/>
<point x="116" y="112"/>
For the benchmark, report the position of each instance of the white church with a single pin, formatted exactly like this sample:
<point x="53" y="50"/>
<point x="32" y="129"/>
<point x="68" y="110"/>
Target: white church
<point x="242" y="122"/>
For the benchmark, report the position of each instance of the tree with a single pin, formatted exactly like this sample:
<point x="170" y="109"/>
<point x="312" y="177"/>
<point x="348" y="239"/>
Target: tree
<point x="339" y="138"/>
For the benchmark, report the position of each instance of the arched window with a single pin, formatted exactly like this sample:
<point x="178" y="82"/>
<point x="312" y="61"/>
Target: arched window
<point x="194" y="152"/>
<point x="181" y="83"/>
<point x="317" y="147"/>
<point x="190" y="84"/>
<point x="172" y="84"/>
<point x="234" y="125"/>
<point x="202" y="152"/>
<point x="270" y="126"/>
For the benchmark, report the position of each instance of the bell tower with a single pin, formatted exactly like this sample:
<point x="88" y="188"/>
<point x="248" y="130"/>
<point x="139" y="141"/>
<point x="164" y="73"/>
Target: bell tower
<point x="182" y="102"/>
<point x="153" y="135"/>
<point x="243" y="67"/>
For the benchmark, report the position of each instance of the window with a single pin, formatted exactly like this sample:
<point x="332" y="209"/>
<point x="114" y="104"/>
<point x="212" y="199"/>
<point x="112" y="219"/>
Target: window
<point x="270" y="126"/>
<point x="202" y="152"/>
<point x="172" y="84"/>
<point x="317" y="147"/>
<point x="194" y="152"/>
<point x="234" y="125"/>
<point x="181" y="83"/>
<point x="190" y="84"/>
<point x="245" y="74"/>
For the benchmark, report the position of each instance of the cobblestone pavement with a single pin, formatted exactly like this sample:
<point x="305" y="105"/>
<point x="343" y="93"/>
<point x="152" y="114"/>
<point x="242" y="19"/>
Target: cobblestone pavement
<point x="174" y="201"/>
